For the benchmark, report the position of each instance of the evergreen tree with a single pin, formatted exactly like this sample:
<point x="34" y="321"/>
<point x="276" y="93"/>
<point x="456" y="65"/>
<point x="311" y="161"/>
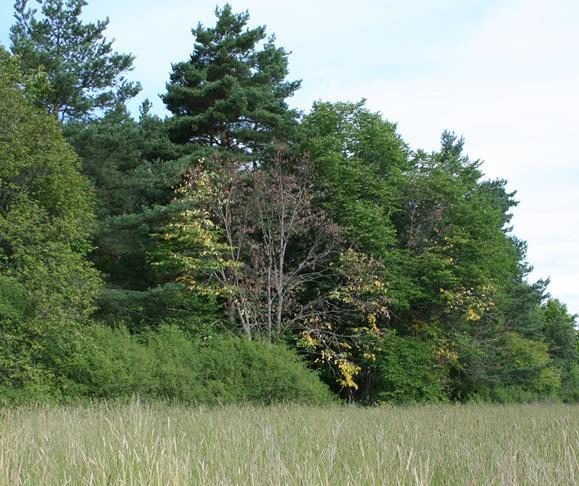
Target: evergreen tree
<point x="231" y="93"/>
<point x="560" y="331"/>
<point x="134" y="168"/>
<point x="85" y="76"/>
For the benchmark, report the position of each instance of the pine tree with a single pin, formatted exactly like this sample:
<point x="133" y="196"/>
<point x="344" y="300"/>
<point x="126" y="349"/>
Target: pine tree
<point x="231" y="93"/>
<point x="85" y="75"/>
<point x="134" y="168"/>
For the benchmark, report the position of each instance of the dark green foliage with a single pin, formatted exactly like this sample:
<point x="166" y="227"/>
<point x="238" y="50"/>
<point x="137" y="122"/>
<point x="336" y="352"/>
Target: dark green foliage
<point x="84" y="75"/>
<point x="359" y="160"/>
<point x="134" y="167"/>
<point x="450" y="226"/>
<point x="560" y="331"/>
<point x="127" y="162"/>
<point x="164" y="304"/>
<point x="360" y="163"/>
<point x="395" y="272"/>
<point x="15" y="309"/>
<point x="109" y="364"/>
<point x="231" y="93"/>
<point x="561" y="334"/>
<point x="570" y="385"/>
<point x="168" y="365"/>
<point x="530" y="366"/>
<point x="408" y="371"/>
<point x="238" y="370"/>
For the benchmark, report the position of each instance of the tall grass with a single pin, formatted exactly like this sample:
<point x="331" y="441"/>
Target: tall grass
<point x="175" y="445"/>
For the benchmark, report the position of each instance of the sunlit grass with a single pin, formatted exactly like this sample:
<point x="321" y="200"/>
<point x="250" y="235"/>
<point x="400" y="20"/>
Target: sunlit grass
<point x="177" y="445"/>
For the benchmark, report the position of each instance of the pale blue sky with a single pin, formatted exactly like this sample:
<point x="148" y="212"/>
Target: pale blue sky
<point x="505" y="74"/>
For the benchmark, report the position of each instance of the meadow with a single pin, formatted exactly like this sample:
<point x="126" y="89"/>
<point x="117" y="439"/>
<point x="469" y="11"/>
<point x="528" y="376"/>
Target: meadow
<point x="161" y="444"/>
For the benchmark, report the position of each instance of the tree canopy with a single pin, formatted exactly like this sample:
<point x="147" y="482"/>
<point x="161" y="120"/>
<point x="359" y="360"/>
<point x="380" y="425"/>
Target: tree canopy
<point x="231" y="93"/>
<point x="143" y="254"/>
<point x="48" y="286"/>
<point x="84" y="75"/>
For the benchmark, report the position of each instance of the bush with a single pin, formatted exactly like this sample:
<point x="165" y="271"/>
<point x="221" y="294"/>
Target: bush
<point x="407" y="372"/>
<point x="169" y="365"/>
<point x="110" y="364"/>
<point x="237" y="370"/>
<point x="570" y="387"/>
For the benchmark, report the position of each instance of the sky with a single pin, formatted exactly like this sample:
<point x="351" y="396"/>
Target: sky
<point x="503" y="74"/>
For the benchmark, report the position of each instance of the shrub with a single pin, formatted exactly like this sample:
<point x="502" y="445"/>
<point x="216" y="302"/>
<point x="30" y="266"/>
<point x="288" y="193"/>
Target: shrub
<point x="237" y="370"/>
<point x="167" y="364"/>
<point x="407" y="372"/>
<point x="110" y="364"/>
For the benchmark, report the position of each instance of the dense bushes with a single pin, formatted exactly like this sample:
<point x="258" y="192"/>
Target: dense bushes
<point x="166" y="364"/>
<point x="408" y="372"/>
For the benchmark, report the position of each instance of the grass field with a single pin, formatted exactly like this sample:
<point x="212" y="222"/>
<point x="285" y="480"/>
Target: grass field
<point x="173" y="445"/>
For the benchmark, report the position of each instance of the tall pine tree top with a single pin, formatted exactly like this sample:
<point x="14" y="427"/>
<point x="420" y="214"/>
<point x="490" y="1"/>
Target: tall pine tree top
<point x="84" y="74"/>
<point x="231" y="93"/>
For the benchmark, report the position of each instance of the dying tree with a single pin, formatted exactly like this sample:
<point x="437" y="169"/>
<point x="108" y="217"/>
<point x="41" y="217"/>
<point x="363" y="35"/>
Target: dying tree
<point x="257" y="241"/>
<point x="254" y="237"/>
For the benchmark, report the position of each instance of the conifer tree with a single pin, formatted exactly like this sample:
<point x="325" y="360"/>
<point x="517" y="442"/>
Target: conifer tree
<point x="231" y="93"/>
<point x="85" y="75"/>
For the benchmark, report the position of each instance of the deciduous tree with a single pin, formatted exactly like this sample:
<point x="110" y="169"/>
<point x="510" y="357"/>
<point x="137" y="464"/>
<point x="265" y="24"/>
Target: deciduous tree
<point x="45" y="220"/>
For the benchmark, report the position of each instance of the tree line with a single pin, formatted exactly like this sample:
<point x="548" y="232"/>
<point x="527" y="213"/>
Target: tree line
<point x="238" y="249"/>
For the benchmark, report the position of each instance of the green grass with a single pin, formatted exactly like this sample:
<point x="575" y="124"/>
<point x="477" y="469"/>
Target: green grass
<point x="177" y="445"/>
